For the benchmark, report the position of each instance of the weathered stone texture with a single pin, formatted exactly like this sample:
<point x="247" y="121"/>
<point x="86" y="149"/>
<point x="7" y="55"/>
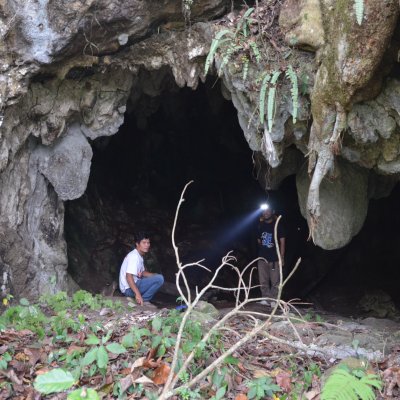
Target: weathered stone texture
<point x="68" y="69"/>
<point x="344" y="204"/>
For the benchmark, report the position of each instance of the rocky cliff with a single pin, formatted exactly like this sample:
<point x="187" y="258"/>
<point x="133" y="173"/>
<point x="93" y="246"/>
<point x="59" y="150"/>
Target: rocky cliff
<point x="69" y="68"/>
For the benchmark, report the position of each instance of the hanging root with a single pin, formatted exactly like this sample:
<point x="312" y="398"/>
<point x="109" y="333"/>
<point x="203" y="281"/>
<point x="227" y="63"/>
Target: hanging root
<point x="323" y="165"/>
<point x="340" y="125"/>
<point x="322" y="161"/>
<point x="269" y="149"/>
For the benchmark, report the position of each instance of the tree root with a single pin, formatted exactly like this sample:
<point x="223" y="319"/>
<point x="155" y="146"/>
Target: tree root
<point x="322" y="160"/>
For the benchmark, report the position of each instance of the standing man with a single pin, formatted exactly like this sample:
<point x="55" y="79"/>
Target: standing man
<point x="134" y="280"/>
<point x="268" y="271"/>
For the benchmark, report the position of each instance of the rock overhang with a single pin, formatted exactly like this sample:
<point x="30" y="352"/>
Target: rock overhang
<point x="75" y="104"/>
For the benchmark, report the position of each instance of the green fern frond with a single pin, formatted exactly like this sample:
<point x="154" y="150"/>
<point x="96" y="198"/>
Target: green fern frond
<point x="372" y="380"/>
<point x="271" y="100"/>
<point x="226" y="57"/>
<point x="256" y="51"/>
<point x="263" y="91"/>
<point x="342" y="385"/>
<point x="294" y="91"/>
<point x="215" y="44"/>
<point x="243" y="24"/>
<point x="245" y="68"/>
<point x="359" y="9"/>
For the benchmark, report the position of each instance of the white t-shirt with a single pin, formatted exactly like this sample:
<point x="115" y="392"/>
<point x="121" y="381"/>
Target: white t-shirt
<point x="132" y="264"/>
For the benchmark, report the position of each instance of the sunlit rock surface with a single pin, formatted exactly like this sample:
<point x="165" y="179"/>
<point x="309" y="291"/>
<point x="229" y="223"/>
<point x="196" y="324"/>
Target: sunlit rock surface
<point x="69" y="69"/>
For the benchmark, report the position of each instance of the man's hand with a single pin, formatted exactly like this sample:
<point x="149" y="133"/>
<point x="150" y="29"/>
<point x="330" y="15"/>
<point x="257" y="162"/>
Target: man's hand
<point x="139" y="299"/>
<point x="132" y="285"/>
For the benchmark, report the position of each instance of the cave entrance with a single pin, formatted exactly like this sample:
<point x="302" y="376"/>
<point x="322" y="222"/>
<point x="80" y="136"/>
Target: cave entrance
<point x="171" y="136"/>
<point x="137" y="177"/>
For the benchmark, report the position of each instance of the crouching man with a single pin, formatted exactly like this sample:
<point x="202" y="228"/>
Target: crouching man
<point x="134" y="280"/>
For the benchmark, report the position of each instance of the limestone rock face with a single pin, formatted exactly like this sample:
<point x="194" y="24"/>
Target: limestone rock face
<point x="66" y="164"/>
<point x="78" y="94"/>
<point x="344" y="202"/>
<point x="68" y="69"/>
<point x="302" y="23"/>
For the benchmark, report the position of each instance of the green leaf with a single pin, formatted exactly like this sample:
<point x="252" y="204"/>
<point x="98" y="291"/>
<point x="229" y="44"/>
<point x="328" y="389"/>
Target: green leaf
<point x="359" y="9"/>
<point x="263" y="91"/>
<point x="244" y="21"/>
<point x="142" y="332"/>
<point x="102" y="357"/>
<point x="128" y="340"/>
<point x="252" y="392"/>
<point x="156" y="341"/>
<point x="83" y="394"/>
<point x="106" y="338"/>
<point x="92" y="339"/>
<point x="294" y="91"/>
<point x="156" y="324"/>
<point x="218" y="377"/>
<point x="245" y="68"/>
<point x="214" y="47"/>
<point x="24" y="302"/>
<point x="116" y="348"/>
<point x="256" y="51"/>
<point x="56" y="380"/>
<point x="93" y="369"/>
<point x="220" y="393"/>
<point x="161" y="350"/>
<point x="90" y="356"/>
<point x="271" y="100"/>
<point x="231" y="360"/>
<point x="342" y="384"/>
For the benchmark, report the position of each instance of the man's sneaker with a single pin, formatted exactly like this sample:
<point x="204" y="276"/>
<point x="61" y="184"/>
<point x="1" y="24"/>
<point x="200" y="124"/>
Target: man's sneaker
<point x="263" y="302"/>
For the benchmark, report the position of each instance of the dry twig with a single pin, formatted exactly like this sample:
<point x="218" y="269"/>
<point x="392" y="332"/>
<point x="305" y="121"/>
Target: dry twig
<point x="242" y="294"/>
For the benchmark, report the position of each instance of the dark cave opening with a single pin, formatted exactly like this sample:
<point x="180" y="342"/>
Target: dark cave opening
<point x="137" y="177"/>
<point x="180" y="135"/>
<point x="365" y="275"/>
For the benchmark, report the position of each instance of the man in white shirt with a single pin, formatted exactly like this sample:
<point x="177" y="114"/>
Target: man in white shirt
<point x="134" y="280"/>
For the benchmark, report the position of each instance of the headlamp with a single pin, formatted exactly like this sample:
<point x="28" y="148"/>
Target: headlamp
<point x="264" y="206"/>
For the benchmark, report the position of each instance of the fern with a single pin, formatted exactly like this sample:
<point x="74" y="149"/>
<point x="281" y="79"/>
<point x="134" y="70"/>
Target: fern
<point x="261" y="102"/>
<point x="256" y="51"/>
<point x="342" y="385"/>
<point x="244" y="22"/>
<point x="215" y="44"/>
<point x="294" y="91"/>
<point x="271" y="99"/>
<point x="359" y="9"/>
<point x="245" y="67"/>
<point x="227" y="56"/>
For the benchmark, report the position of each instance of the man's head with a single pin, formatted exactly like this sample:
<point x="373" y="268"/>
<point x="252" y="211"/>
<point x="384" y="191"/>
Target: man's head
<point x="267" y="214"/>
<point x="267" y="211"/>
<point x="142" y="241"/>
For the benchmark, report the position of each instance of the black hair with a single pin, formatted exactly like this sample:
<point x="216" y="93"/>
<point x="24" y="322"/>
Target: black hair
<point x="140" y="236"/>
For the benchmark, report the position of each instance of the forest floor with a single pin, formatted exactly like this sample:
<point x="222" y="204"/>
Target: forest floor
<point x="91" y="347"/>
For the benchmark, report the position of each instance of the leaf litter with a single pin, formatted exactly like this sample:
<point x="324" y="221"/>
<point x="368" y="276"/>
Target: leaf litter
<point x="140" y="367"/>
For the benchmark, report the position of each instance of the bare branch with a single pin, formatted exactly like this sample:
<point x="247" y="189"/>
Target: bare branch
<point x="242" y="294"/>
